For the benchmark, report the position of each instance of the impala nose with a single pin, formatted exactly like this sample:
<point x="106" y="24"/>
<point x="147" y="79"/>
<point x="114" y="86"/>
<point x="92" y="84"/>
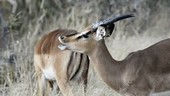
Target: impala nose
<point x="62" y="39"/>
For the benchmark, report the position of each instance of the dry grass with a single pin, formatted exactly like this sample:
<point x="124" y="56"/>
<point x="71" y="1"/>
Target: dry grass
<point x="18" y="79"/>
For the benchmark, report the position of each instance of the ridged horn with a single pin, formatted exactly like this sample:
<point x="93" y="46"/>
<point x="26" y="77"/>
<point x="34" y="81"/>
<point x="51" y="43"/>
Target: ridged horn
<point x="110" y="20"/>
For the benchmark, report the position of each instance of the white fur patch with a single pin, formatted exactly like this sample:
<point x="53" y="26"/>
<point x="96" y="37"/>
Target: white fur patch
<point x="49" y="73"/>
<point x="62" y="47"/>
<point x="100" y="33"/>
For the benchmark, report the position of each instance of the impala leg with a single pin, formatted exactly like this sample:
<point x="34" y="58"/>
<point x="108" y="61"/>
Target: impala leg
<point x="39" y="76"/>
<point x="42" y="86"/>
<point x="42" y="82"/>
<point x="64" y="85"/>
<point x="85" y="83"/>
<point x="54" y="87"/>
<point x="85" y="77"/>
<point x="65" y="88"/>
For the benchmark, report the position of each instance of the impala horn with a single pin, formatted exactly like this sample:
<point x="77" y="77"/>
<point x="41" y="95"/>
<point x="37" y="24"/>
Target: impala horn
<point x="110" y="21"/>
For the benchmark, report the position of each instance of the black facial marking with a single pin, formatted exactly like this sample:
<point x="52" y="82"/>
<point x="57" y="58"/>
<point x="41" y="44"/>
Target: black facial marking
<point x="86" y="35"/>
<point x="79" y="37"/>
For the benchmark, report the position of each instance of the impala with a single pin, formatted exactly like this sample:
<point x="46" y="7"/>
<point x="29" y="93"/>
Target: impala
<point x="141" y="73"/>
<point x="52" y="64"/>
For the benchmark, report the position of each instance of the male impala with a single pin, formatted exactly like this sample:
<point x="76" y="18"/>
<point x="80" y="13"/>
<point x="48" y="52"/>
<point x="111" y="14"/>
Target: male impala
<point x="53" y="64"/>
<point x="139" y="74"/>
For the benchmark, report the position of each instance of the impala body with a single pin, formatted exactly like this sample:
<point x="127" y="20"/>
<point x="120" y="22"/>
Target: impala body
<point x="52" y="64"/>
<point x="141" y="73"/>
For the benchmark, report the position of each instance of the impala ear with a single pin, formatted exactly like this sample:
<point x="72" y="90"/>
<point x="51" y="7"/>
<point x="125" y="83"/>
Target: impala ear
<point x="100" y="33"/>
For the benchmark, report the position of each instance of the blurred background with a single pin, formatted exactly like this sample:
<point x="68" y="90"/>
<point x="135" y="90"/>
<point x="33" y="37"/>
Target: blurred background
<point x="23" y="22"/>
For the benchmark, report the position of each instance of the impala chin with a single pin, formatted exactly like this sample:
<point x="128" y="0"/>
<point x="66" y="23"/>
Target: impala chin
<point x="65" y="47"/>
<point x="61" y="46"/>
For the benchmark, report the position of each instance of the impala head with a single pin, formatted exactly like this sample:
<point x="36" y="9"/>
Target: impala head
<point x="84" y="41"/>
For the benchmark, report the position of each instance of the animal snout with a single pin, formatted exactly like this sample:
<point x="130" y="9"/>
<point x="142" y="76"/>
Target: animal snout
<point x="62" y="39"/>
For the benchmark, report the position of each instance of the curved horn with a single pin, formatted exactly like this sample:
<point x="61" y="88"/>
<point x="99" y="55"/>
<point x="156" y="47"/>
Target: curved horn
<point x="110" y="20"/>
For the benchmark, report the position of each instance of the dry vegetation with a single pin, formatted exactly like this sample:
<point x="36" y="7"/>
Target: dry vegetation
<point x="28" y="20"/>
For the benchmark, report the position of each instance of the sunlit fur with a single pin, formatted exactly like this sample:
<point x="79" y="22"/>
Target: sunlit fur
<point x="141" y="73"/>
<point x="52" y="64"/>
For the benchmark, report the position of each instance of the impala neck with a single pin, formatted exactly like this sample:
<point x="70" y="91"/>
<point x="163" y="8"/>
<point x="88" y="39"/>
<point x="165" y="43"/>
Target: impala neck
<point x="109" y="69"/>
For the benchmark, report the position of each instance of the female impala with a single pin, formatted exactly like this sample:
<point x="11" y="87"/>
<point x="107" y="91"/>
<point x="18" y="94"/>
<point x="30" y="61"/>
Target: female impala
<point x="52" y="64"/>
<point x="139" y="74"/>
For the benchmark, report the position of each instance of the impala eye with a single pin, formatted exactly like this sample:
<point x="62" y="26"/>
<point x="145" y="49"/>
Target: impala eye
<point x="85" y="36"/>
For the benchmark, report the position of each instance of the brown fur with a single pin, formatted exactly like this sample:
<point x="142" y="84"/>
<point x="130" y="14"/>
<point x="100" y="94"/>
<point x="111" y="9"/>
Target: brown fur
<point x="66" y="65"/>
<point x="139" y="74"/>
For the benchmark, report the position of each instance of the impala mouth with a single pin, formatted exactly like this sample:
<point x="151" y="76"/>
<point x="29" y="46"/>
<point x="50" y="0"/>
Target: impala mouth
<point x="62" y="47"/>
